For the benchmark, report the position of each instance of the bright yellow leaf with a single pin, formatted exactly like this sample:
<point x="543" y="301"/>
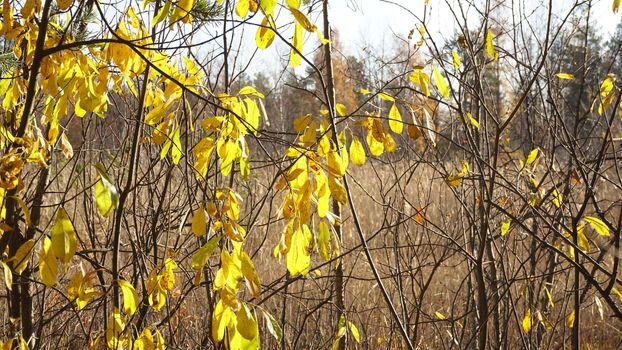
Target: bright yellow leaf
<point x="48" y="269"/>
<point x="441" y="84"/>
<point x="565" y="76"/>
<point x="455" y="59"/>
<point x="199" y="222"/>
<point x="130" y="297"/>
<point x="106" y="195"/>
<point x="395" y="120"/>
<point x="598" y="225"/>
<point x="265" y="33"/>
<point x="526" y="324"/>
<point x="64" y="239"/>
<point x="357" y="152"/>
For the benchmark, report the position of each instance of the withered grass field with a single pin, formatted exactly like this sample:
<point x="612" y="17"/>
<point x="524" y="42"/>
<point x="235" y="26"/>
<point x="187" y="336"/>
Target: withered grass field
<point x="419" y="236"/>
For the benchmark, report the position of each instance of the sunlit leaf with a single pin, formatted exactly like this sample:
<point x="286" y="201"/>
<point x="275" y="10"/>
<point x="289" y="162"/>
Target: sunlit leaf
<point x="386" y="97"/>
<point x="106" y="195"/>
<point x="357" y="152"/>
<point x="441" y="84"/>
<point x="355" y="332"/>
<point x="598" y="225"/>
<point x="505" y="226"/>
<point x="116" y="325"/>
<point x="565" y="76"/>
<point x="199" y="222"/>
<point x="130" y="297"/>
<point x="48" y="269"/>
<point x="395" y="120"/>
<point x="570" y="320"/>
<point x="533" y="155"/>
<point x="64" y="239"/>
<point x="265" y="33"/>
<point x="455" y="59"/>
<point x="273" y="327"/>
<point x="526" y="323"/>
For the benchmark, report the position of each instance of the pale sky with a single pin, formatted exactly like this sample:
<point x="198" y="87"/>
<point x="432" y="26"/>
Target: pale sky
<point x="363" y="22"/>
<point x="374" y="24"/>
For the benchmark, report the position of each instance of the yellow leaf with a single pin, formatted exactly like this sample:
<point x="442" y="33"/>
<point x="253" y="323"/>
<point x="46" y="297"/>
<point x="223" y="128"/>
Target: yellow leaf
<point x="48" y="268"/>
<point x="364" y="91"/>
<point x="570" y="321"/>
<point x="220" y="319"/>
<point x="558" y="198"/>
<point x="64" y="239"/>
<point x="252" y="279"/>
<point x="505" y="226"/>
<point x="303" y="20"/>
<point x="8" y="275"/>
<point x="144" y="341"/>
<point x="490" y="48"/>
<point x="455" y="59"/>
<point x="472" y="120"/>
<point x="598" y="225"/>
<point x="242" y="7"/>
<point x="265" y="33"/>
<point x="22" y="256"/>
<point x="250" y="91"/>
<point x="422" y="79"/>
<point x="533" y="155"/>
<point x="160" y="340"/>
<point x="395" y="120"/>
<point x="357" y="152"/>
<point x="548" y="295"/>
<point x="526" y="324"/>
<point x="355" y="332"/>
<point x="65" y="146"/>
<point x="268" y="6"/>
<point x="293" y="3"/>
<point x="23" y="345"/>
<point x="440" y="316"/>
<point x="199" y="259"/>
<point x="335" y="164"/>
<point x="106" y="195"/>
<point x="273" y="327"/>
<point x="376" y="148"/>
<point x="246" y="324"/>
<point x="386" y="97"/>
<point x="162" y="14"/>
<point x="296" y="51"/>
<point x="565" y="76"/>
<point x="182" y="11"/>
<point x="341" y="109"/>
<point x="298" y="256"/>
<point x="176" y="146"/>
<point x="441" y="83"/>
<point x="199" y="222"/>
<point x="324" y="240"/>
<point x="301" y="123"/>
<point x="168" y="274"/>
<point x="615" y="6"/>
<point x="114" y="330"/>
<point x="130" y="297"/>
